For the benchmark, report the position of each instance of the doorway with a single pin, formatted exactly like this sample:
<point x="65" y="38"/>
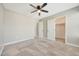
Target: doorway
<point x="60" y="29"/>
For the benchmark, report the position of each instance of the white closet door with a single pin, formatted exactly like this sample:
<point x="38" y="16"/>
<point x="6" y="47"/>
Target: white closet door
<point x="41" y="29"/>
<point x="51" y="29"/>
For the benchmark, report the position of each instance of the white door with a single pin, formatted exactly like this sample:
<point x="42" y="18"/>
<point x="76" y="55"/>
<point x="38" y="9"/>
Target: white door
<point x="51" y="29"/>
<point x="41" y="29"/>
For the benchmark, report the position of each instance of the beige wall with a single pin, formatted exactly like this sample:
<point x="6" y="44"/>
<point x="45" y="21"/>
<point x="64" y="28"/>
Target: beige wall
<point x="1" y="23"/>
<point x="15" y="27"/>
<point x="18" y="27"/>
<point x="60" y="27"/>
<point x="60" y="20"/>
<point x="60" y="31"/>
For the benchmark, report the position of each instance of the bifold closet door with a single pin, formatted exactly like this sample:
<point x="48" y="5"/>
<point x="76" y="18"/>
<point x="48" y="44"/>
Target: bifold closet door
<point x="51" y="29"/>
<point x="41" y="29"/>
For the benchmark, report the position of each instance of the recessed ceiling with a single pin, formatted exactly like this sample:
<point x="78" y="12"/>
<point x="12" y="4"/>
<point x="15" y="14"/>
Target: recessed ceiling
<point x="53" y="8"/>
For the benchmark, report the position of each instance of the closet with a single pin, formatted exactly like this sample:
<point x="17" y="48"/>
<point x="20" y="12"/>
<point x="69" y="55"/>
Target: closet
<point x="60" y="29"/>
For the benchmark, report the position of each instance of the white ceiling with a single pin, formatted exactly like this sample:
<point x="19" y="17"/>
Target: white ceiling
<point x="25" y="9"/>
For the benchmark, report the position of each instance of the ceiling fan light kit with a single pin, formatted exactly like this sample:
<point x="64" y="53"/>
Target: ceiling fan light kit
<point x="39" y="8"/>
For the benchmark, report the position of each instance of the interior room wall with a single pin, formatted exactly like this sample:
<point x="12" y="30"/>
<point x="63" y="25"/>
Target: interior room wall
<point x="1" y="23"/>
<point x="1" y="27"/>
<point x="18" y="27"/>
<point x="73" y="28"/>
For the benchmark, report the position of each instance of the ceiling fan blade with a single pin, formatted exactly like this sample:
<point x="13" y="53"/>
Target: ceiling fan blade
<point x="44" y="11"/>
<point x="32" y="6"/>
<point x="34" y="11"/>
<point x="44" y="5"/>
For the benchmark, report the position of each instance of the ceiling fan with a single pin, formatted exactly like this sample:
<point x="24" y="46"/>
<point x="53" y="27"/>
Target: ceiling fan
<point x="39" y="8"/>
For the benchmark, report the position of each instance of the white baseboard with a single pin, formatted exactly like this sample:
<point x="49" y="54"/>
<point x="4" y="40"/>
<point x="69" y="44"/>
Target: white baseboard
<point x="72" y="44"/>
<point x="14" y="42"/>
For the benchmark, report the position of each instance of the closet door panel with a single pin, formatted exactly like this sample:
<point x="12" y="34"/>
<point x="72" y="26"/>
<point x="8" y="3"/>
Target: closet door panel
<point x="41" y="29"/>
<point x="51" y="29"/>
